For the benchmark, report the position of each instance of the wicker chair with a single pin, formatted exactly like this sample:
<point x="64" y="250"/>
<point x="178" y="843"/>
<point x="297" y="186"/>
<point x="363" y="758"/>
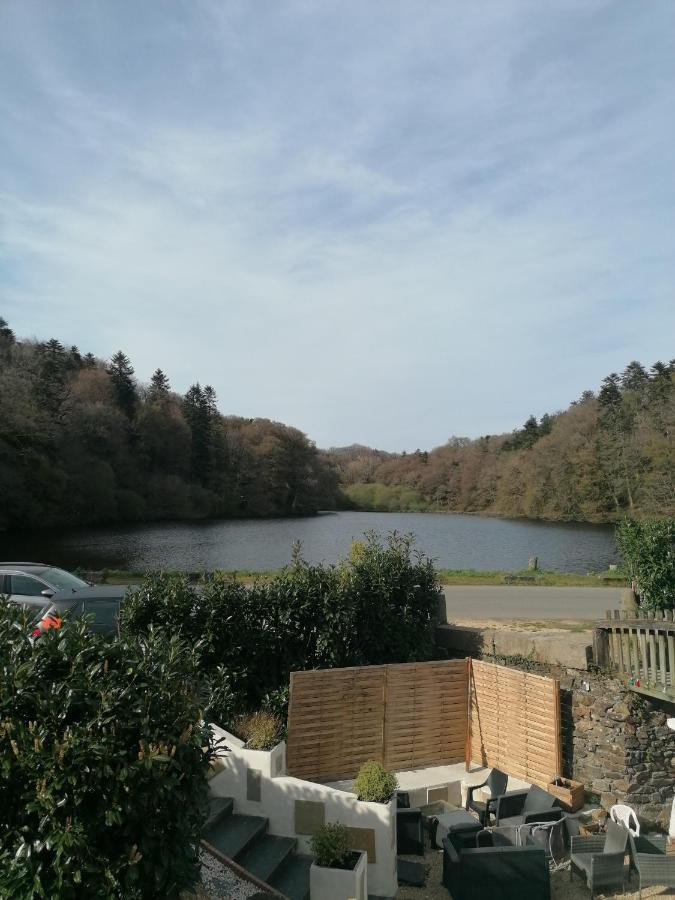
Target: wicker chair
<point x="497" y="782"/>
<point x="599" y="859"/>
<point x="648" y="858"/>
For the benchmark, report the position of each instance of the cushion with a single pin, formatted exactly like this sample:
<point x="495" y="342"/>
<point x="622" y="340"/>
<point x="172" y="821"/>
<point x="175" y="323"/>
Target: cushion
<point x="616" y="839"/>
<point x="538" y="799"/>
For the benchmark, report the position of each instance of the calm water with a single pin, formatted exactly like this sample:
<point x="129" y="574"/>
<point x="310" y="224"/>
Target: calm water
<point x="454" y="541"/>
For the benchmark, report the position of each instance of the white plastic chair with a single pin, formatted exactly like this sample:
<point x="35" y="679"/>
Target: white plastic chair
<point x="625" y="816"/>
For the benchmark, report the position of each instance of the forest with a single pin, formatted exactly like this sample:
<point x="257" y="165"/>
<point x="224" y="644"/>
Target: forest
<point x="610" y="454"/>
<point x="82" y="442"/>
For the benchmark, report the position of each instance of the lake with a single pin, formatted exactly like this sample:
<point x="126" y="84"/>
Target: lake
<point x="454" y="541"/>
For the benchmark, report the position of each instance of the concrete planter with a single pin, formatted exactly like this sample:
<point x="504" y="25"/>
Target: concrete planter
<point x="339" y="884"/>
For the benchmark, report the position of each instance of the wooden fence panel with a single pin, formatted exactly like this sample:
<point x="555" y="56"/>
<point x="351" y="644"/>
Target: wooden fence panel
<point x="335" y="721"/>
<point x="426" y="714"/>
<point x="405" y="716"/>
<point x="515" y="722"/>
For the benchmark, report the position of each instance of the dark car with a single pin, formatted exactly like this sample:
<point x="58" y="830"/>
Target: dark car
<point x="101" y="606"/>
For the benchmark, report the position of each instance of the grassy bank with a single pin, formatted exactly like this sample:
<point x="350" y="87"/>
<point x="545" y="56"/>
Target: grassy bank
<point x="446" y="576"/>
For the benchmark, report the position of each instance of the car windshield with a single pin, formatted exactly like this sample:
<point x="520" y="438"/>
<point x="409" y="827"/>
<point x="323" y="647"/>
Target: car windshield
<point x="62" y="581"/>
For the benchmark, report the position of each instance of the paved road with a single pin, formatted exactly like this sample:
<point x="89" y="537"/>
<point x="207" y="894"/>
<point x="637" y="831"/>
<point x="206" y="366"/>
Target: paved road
<point x="514" y="602"/>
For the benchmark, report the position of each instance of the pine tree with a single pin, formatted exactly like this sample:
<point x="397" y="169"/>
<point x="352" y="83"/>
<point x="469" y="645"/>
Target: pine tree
<point x="6" y="333"/>
<point x="159" y="386"/>
<point x="122" y="376"/>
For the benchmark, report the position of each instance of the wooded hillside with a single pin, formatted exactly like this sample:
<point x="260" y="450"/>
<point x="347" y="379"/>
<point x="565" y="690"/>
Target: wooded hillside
<point x="610" y="454"/>
<point x="81" y="441"/>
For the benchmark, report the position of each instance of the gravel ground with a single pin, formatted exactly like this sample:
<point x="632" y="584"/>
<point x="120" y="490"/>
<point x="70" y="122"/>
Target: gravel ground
<point x="561" y="888"/>
<point x="219" y="881"/>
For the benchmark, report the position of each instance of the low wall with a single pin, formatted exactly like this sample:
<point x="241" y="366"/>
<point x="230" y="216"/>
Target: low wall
<point x="259" y="785"/>
<point x="556" y="648"/>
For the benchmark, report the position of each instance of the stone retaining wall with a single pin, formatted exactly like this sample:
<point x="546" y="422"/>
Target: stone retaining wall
<point x="618" y="744"/>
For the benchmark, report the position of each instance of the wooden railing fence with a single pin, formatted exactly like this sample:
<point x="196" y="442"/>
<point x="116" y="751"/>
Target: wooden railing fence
<point x="640" y="649"/>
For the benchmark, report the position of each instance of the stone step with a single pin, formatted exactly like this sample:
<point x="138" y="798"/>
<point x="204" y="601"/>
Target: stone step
<point x="219" y="807"/>
<point x="266" y="855"/>
<point x="233" y="833"/>
<point x="292" y="878"/>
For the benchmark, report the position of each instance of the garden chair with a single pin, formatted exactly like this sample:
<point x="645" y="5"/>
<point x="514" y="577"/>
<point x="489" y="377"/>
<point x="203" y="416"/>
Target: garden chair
<point x="648" y="858"/>
<point x="497" y="782"/>
<point x="524" y="807"/>
<point x="625" y="816"/>
<point x="599" y="858"/>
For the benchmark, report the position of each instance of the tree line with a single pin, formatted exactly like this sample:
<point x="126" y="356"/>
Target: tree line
<point x="82" y="441"/>
<point x="610" y="454"/>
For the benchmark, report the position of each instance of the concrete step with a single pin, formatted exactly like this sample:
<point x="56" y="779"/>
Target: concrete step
<point x="233" y="833"/>
<point x="219" y="807"/>
<point x="266" y="855"/>
<point x="292" y="878"/>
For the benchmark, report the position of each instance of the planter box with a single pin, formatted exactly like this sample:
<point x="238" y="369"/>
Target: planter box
<point x="339" y="884"/>
<point x="569" y="793"/>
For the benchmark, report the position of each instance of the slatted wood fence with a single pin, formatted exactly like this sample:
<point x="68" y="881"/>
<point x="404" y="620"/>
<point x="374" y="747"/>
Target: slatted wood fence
<point x="642" y="650"/>
<point x="405" y="716"/>
<point x="515" y="722"/>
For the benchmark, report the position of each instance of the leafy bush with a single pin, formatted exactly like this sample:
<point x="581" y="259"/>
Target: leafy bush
<point x="648" y="550"/>
<point x="380" y="606"/>
<point x="374" y="784"/>
<point x="330" y="846"/>
<point x="103" y="763"/>
<point x="261" y="730"/>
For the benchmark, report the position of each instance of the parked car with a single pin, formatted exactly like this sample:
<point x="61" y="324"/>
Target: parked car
<point x="101" y="606"/>
<point x="32" y="584"/>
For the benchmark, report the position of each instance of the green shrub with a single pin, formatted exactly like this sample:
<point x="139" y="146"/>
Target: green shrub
<point x="330" y="846"/>
<point x="378" y="607"/>
<point x="103" y="763"/>
<point x="374" y="784"/>
<point x="648" y="550"/>
<point x="261" y="730"/>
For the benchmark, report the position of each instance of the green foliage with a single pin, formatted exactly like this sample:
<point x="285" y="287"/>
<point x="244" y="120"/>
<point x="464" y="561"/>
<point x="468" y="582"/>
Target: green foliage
<point x="603" y="458"/>
<point x="648" y="550"/>
<point x="103" y="764"/>
<point x="378" y="607"/>
<point x="331" y="848"/>
<point x="82" y="442"/>
<point x="374" y="783"/>
<point x="261" y="730"/>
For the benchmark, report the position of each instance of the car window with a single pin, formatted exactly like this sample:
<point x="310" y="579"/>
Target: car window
<point x="25" y="586"/>
<point x="63" y="581"/>
<point x="105" y="611"/>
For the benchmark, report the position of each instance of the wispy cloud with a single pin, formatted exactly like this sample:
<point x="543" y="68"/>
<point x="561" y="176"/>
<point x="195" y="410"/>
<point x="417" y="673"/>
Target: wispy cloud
<point x="376" y="223"/>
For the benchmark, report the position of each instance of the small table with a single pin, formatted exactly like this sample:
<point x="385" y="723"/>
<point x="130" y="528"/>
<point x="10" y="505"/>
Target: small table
<point x="461" y="824"/>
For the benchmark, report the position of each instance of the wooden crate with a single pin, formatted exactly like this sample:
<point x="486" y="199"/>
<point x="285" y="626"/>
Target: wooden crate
<point x="569" y="793"/>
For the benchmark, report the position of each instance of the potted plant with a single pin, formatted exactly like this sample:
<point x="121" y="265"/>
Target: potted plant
<point x="337" y="873"/>
<point x="374" y="784"/>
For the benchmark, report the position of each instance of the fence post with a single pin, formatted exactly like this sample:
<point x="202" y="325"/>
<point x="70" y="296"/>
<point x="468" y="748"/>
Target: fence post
<point x="467" y="742"/>
<point x="601" y="647"/>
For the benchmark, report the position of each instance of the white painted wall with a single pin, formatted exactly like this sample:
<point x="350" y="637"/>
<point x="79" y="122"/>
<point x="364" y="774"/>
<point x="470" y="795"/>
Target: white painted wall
<point x="277" y="803"/>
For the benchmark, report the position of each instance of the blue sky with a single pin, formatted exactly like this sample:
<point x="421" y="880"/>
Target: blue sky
<point x="380" y="222"/>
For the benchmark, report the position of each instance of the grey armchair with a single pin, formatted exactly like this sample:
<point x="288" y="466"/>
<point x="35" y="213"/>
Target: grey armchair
<point x="497" y="782"/>
<point x="495" y="873"/>
<point x="599" y="858"/>
<point x="522" y="807"/>
<point x="648" y="858"/>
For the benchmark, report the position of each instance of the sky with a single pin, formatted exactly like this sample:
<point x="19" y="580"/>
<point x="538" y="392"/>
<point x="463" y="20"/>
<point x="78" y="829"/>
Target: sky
<point x="383" y="223"/>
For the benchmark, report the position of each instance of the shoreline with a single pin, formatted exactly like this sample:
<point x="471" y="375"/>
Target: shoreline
<point x="519" y="578"/>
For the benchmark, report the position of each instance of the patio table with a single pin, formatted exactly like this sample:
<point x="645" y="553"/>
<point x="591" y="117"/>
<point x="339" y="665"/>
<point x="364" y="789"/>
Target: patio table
<point x="461" y="825"/>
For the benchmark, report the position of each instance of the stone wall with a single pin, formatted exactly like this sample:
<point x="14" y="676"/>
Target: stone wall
<point x="618" y="744"/>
